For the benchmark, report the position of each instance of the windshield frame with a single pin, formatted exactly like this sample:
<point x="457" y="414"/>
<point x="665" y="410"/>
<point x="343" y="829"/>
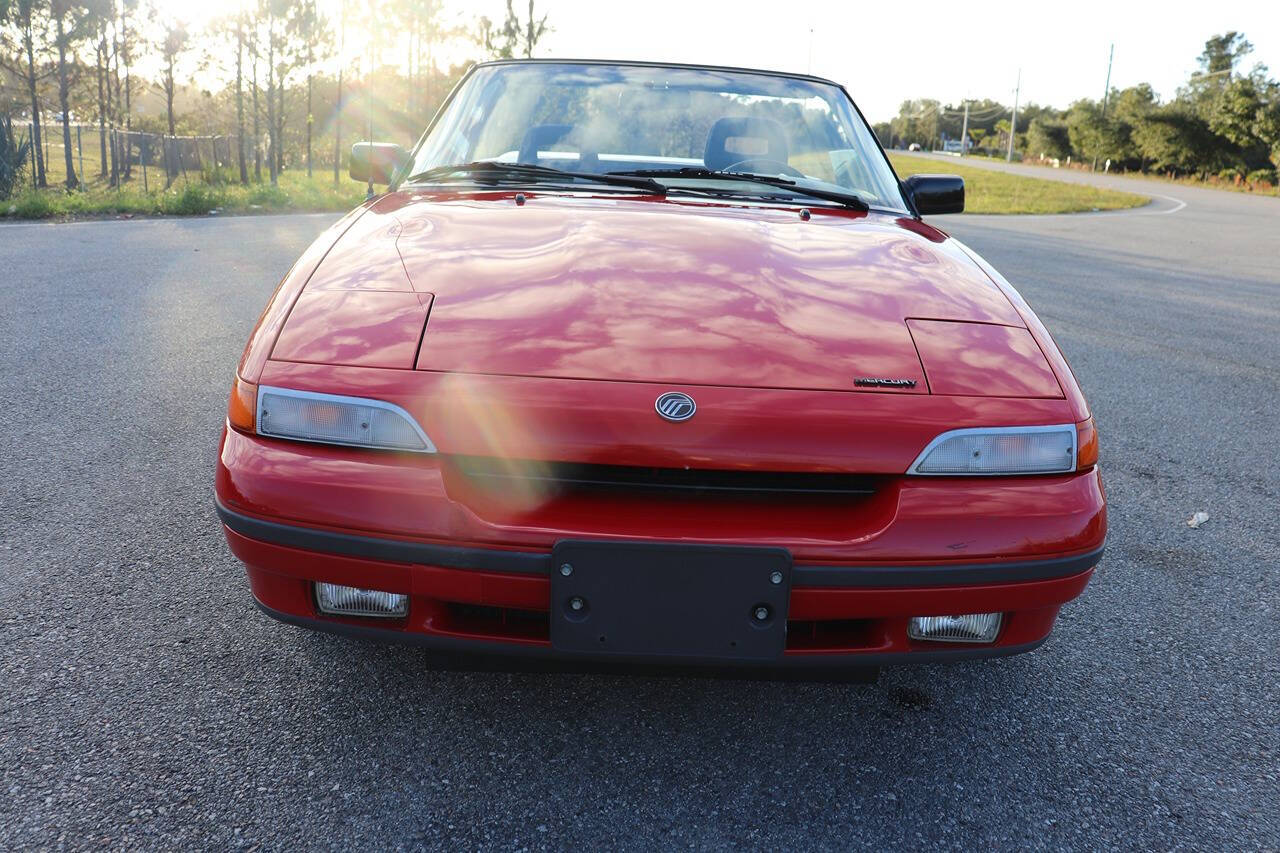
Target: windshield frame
<point x="907" y="205"/>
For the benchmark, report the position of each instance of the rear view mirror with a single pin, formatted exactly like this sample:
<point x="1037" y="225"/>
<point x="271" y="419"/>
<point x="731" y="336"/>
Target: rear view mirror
<point x="933" y="194"/>
<point x="376" y="162"/>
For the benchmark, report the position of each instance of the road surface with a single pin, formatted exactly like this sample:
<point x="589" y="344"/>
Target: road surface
<point x="147" y="703"/>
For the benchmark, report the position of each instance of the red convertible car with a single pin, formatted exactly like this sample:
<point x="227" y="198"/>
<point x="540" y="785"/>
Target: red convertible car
<point x="657" y="363"/>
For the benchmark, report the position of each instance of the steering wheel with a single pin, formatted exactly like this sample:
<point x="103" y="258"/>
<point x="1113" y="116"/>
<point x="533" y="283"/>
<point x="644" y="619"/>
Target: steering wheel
<point x="784" y="168"/>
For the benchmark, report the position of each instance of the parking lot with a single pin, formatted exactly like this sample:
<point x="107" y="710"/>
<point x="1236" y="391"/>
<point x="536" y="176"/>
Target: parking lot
<point x="146" y="702"/>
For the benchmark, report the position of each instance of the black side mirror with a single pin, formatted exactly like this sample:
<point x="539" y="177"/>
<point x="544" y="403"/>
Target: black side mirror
<point x="376" y="162"/>
<point x="933" y="194"/>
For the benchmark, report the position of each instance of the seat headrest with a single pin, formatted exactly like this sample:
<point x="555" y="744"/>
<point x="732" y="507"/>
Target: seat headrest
<point x="736" y="138"/>
<point x="539" y="138"/>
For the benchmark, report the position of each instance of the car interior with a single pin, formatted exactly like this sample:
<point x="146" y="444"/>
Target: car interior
<point x="734" y="144"/>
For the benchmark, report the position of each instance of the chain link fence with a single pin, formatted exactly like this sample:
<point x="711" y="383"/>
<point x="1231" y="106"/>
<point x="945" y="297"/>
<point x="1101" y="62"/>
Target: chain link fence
<point x="117" y="156"/>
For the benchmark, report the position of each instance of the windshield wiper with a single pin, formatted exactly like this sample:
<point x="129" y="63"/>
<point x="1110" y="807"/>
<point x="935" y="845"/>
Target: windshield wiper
<point x="847" y="199"/>
<point x="490" y="170"/>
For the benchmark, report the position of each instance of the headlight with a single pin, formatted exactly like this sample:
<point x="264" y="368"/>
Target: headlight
<point x="332" y="419"/>
<point x="1000" y="450"/>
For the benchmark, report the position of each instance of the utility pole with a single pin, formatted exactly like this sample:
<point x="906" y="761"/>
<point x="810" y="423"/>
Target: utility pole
<point x="1106" y="91"/>
<point x="964" y="128"/>
<point x="1106" y="96"/>
<point x="1013" y="123"/>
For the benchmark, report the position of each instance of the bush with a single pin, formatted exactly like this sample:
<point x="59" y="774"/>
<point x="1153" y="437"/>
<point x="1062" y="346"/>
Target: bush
<point x="1048" y="140"/>
<point x="265" y="195"/>
<point x="295" y="192"/>
<point x="13" y="157"/>
<point x="220" y="175"/>
<point x="1261" y="176"/>
<point x="194" y="199"/>
<point x="32" y="205"/>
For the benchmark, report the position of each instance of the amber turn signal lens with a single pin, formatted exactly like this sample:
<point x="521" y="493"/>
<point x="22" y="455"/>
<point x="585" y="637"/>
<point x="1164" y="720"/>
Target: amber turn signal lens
<point x="1086" y="445"/>
<point x="243" y="405"/>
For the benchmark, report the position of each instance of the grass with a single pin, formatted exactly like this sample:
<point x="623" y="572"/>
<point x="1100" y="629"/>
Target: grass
<point x="987" y="191"/>
<point x="295" y="192"/>
<point x="1212" y="182"/>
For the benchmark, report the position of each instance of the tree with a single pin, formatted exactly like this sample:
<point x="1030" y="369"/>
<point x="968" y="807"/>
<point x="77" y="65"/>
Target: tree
<point x="1002" y="128"/>
<point x="269" y="8"/>
<point x="1048" y="139"/>
<point x="1244" y="112"/>
<point x="257" y="112"/>
<point x="289" y="24"/>
<point x="174" y="44"/>
<point x="1235" y="117"/>
<point x="244" y="171"/>
<point x="312" y="27"/>
<point x="533" y="31"/>
<point x="126" y="43"/>
<point x="1095" y="136"/>
<point x="1131" y="105"/>
<point x="1221" y="53"/>
<point x="68" y="19"/>
<point x="422" y="22"/>
<point x="229" y="31"/>
<point x="516" y="37"/>
<point x="1174" y="137"/>
<point x="29" y="19"/>
<point x="310" y="40"/>
<point x="337" y="109"/>
<point x="916" y="121"/>
<point x="1267" y="125"/>
<point x="101" y="13"/>
<point x="81" y="59"/>
<point x="1217" y="70"/>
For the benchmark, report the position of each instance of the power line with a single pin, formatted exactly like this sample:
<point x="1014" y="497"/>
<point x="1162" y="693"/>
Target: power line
<point x="976" y="116"/>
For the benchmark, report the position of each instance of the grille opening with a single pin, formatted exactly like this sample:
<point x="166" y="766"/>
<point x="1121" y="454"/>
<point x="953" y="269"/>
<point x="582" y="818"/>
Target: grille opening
<point x="511" y="623"/>
<point x="558" y="478"/>
<point x="485" y="621"/>
<point x="831" y="634"/>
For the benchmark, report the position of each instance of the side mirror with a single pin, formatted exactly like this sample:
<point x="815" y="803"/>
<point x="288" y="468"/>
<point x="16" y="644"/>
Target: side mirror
<point x="933" y="194"/>
<point x="376" y="162"/>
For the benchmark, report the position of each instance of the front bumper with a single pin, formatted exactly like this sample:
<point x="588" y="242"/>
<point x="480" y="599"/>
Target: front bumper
<point x="497" y="600"/>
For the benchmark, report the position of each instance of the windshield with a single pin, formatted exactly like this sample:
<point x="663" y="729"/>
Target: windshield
<point x="632" y="118"/>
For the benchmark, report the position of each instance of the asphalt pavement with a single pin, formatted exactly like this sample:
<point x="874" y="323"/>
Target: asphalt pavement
<point x="145" y="702"/>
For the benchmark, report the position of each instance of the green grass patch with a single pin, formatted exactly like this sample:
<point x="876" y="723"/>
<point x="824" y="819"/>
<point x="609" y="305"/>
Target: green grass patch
<point x="987" y="191"/>
<point x="1262" y="182"/>
<point x="295" y="192"/>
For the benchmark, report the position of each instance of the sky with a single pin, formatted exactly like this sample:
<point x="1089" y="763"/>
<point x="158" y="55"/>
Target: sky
<point x="887" y="52"/>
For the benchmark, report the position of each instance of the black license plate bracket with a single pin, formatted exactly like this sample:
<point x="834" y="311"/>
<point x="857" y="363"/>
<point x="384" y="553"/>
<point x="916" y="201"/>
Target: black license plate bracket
<point x="670" y="601"/>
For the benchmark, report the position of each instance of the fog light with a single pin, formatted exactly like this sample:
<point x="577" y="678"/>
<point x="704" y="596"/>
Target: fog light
<point x="353" y="601"/>
<point x="967" y="628"/>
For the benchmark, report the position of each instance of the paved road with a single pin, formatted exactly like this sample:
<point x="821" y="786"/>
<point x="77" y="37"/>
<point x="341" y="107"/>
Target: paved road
<point x="145" y="701"/>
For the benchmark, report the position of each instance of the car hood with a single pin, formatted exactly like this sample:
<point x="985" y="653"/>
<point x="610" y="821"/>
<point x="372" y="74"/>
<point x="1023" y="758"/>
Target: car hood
<point x="682" y="293"/>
